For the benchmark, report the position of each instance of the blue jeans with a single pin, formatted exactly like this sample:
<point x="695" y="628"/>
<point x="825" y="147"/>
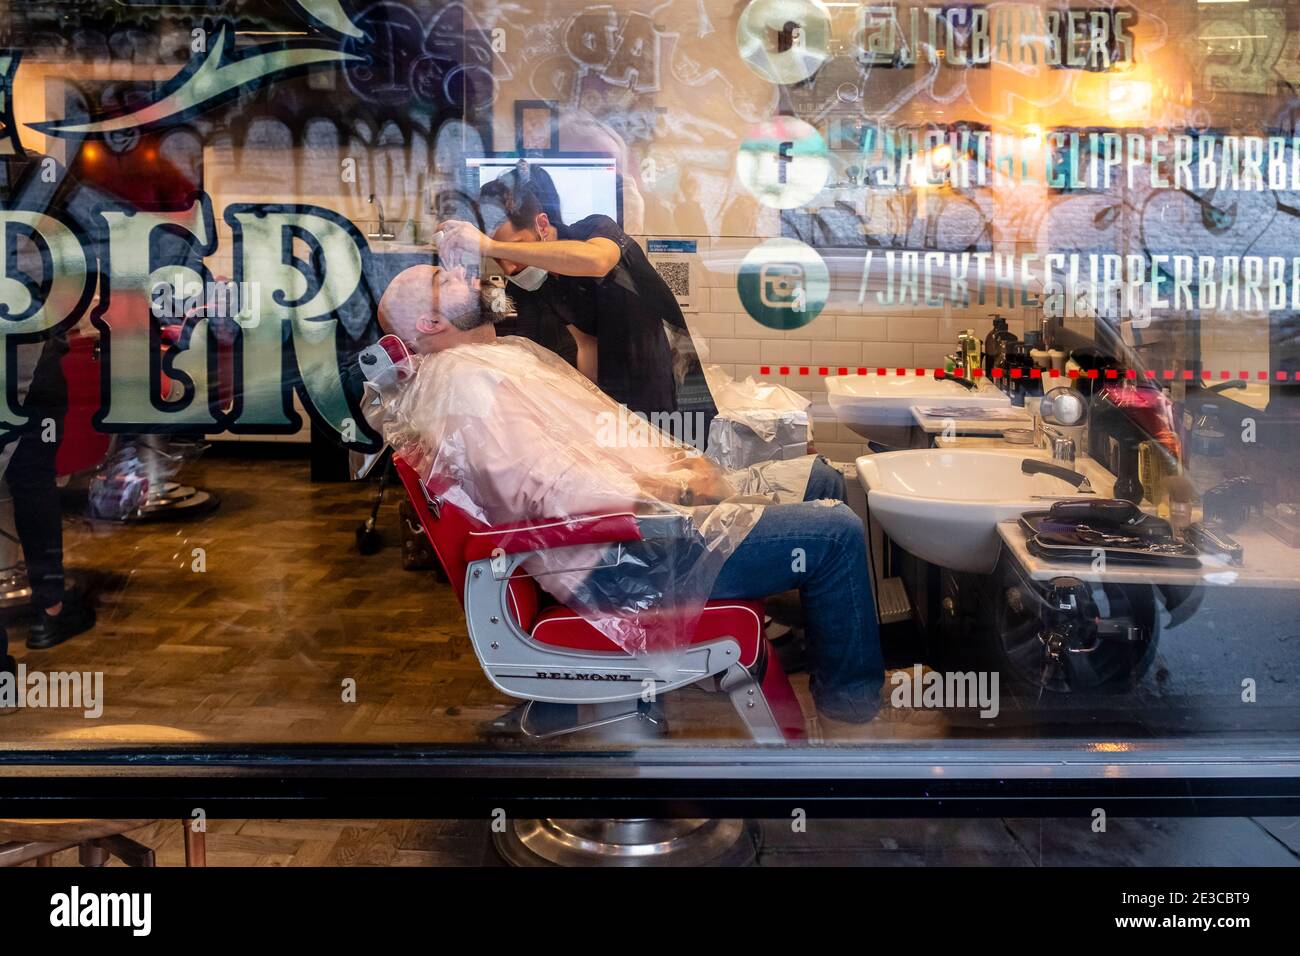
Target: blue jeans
<point x="816" y="547"/>
<point x="819" y="549"/>
<point x="825" y="483"/>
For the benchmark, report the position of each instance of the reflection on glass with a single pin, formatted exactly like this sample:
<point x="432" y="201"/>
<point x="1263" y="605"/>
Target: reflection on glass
<point x="1011" y="289"/>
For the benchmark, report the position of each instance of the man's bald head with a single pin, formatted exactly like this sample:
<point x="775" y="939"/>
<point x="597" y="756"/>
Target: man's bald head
<point x="427" y="306"/>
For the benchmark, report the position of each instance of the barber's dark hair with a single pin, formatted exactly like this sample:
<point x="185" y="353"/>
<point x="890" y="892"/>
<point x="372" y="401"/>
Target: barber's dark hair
<point x="523" y="192"/>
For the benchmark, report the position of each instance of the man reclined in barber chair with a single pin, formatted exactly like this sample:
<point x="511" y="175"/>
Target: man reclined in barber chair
<point x="520" y="435"/>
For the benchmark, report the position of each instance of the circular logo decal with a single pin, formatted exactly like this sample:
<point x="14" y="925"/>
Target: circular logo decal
<point x="783" y="283"/>
<point x="784" y="162"/>
<point x="784" y="41"/>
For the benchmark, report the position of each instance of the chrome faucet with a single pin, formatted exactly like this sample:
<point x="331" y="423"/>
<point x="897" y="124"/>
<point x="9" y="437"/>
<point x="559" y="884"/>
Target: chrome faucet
<point x="1060" y="407"/>
<point x="968" y="347"/>
<point x="1063" y="462"/>
<point x="384" y="232"/>
<point x="967" y="357"/>
<point x="1062" y="446"/>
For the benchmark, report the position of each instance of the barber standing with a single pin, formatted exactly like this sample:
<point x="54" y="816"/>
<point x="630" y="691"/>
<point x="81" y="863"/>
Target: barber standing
<point x="589" y="277"/>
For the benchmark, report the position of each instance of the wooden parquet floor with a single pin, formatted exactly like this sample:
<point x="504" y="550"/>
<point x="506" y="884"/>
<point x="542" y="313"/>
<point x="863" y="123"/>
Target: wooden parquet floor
<point x="257" y="647"/>
<point x="992" y="842"/>
<point x="318" y="843"/>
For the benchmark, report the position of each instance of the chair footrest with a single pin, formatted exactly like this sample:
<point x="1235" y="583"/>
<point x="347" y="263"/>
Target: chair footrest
<point x="619" y="721"/>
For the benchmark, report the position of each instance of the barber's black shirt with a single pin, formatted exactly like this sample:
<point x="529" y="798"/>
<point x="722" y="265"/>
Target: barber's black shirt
<point x="538" y="319"/>
<point x="625" y="310"/>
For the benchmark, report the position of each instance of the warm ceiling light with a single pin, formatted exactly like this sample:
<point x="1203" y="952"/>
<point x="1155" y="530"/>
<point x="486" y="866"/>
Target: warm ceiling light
<point x="1133" y="94"/>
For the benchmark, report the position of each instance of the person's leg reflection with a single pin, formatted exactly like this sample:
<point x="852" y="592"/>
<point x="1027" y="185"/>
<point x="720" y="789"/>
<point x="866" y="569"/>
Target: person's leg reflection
<point x="38" y="515"/>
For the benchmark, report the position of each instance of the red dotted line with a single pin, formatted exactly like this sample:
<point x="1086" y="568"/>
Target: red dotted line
<point x="1130" y="373"/>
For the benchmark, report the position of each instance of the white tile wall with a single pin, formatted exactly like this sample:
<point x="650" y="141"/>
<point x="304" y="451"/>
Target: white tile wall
<point x="845" y="334"/>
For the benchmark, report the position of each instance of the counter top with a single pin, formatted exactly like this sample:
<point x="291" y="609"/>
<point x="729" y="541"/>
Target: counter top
<point x="1268" y="563"/>
<point x="934" y="418"/>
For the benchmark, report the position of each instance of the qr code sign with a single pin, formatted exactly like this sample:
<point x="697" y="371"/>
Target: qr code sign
<point x="677" y="275"/>
<point x="673" y="259"/>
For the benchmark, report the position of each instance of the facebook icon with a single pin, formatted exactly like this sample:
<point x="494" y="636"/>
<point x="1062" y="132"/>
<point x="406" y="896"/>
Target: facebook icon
<point x="783" y="160"/>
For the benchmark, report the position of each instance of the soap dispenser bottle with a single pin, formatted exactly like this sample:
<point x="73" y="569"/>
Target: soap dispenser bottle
<point x="992" y="342"/>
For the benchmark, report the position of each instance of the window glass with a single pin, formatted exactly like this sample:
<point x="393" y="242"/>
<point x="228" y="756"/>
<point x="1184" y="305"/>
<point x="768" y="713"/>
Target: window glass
<point x="776" y="374"/>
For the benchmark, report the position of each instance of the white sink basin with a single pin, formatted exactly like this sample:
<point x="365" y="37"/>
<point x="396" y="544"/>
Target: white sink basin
<point x="943" y="504"/>
<point x="879" y="407"/>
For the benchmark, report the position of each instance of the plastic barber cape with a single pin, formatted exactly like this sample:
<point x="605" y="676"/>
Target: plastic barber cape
<point x="521" y="436"/>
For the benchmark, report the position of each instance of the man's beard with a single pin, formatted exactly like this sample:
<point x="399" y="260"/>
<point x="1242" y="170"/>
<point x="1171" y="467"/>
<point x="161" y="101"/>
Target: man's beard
<point x="490" y="306"/>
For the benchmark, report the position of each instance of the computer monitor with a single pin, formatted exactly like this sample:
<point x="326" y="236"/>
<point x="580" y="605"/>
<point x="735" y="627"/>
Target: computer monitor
<point x="587" y="183"/>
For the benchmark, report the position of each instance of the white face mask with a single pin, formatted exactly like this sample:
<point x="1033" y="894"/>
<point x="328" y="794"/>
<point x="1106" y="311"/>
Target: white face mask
<point x="529" y="279"/>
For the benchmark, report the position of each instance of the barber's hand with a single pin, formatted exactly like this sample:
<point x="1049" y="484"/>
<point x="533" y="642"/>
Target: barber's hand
<point x="461" y="244"/>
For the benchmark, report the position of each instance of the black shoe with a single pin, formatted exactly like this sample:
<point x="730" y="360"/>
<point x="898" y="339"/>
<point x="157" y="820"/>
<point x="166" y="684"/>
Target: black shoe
<point x="51" y="630"/>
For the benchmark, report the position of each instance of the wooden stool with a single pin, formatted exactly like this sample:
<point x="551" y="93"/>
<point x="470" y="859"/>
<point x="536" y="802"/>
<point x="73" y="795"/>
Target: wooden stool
<point x="95" y="840"/>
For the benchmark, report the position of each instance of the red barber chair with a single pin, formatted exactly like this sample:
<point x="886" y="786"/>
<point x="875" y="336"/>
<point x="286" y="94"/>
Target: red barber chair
<point x="141" y="482"/>
<point x="553" y="655"/>
<point x="82" y="447"/>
